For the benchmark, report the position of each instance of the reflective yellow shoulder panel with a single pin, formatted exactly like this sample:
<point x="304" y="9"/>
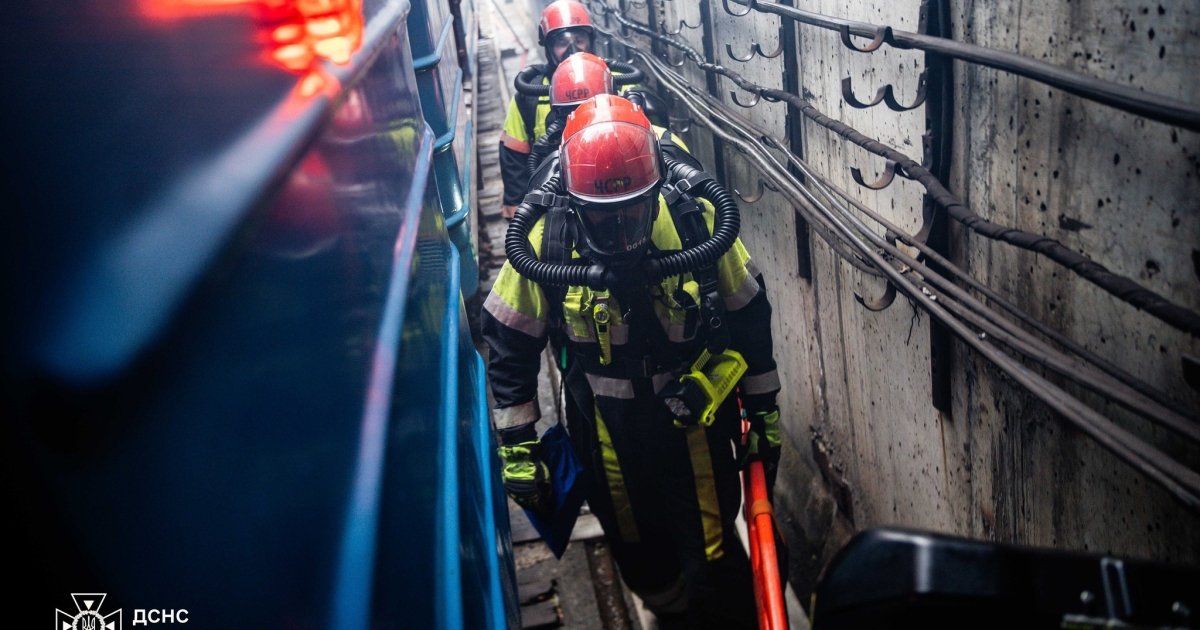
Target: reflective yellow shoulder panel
<point x="663" y="231"/>
<point x="732" y="275"/>
<point x="520" y="293"/>
<point x="540" y="114"/>
<point x="679" y="142"/>
<point x="514" y="127"/>
<point x="539" y="122"/>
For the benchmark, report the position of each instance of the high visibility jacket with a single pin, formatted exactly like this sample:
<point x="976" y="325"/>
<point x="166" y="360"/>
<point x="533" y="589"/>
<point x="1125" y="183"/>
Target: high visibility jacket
<point x="515" y="325"/>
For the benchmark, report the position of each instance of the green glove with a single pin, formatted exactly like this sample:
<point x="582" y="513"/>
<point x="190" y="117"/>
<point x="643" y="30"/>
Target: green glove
<point x="764" y="442"/>
<point x="525" y="476"/>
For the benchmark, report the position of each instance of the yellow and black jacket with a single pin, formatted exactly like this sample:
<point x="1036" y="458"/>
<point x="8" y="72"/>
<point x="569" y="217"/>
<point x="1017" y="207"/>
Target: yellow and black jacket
<point x="516" y="324"/>
<point x="516" y="140"/>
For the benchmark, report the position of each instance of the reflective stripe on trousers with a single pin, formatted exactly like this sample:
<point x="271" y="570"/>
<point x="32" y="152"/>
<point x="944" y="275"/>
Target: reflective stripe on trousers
<point x="706" y="491"/>
<point x="626" y="524"/>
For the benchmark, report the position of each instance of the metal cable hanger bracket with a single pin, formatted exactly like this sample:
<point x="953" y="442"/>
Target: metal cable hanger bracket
<point x="938" y="290"/>
<point x="1122" y="287"/>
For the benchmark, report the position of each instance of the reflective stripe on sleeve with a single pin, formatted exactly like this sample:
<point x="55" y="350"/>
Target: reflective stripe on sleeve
<point x="764" y="383"/>
<point x="611" y="387"/>
<point x="520" y="146"/>
<point x="517" y="415"/>
<point x="744" y="293"/>
<point x="513" y="318"/>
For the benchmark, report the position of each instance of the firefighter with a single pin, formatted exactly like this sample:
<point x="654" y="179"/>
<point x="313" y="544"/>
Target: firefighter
<point x="576" y="80"/>
<point x="563" y="30"/>
<point x="656" y="280"/>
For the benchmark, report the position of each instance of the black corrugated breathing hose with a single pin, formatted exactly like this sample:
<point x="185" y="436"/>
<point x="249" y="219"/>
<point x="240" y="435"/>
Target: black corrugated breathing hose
<point x="545" y="145"/>
<point x="530" y="80"/>
<point x="524" y="259"/>
<point x="726" y="224"/>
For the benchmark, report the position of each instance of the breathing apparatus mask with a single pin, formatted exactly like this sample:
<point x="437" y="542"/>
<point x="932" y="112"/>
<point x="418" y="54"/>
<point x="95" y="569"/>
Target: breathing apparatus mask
<point x="564" y="29"/>
<point x="618" y="234"/>
<point x="563" y="43"/>
<point x="612" y="172"/>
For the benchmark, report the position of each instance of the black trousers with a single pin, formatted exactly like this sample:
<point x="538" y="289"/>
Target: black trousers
<point x="666" y="498"/>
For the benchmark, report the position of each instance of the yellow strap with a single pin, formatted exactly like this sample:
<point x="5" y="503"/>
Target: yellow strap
<point x="626" y="525"/>
<point x="706" y="491"/>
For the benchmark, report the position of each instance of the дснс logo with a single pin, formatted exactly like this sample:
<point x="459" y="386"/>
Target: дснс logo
<point x="88" y="616"/>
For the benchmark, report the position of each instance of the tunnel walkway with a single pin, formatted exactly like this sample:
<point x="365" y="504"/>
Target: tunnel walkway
<point x="976" y="309"/>
<point x="583" y="588"/>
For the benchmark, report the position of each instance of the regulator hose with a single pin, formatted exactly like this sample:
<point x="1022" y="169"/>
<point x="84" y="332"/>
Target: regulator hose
<point x="523" y="258"/>
<point x="545" y="145"/>
<point x="624" y="73"/>
<point x="726" y="224"/>
<point x="530" y="81"/>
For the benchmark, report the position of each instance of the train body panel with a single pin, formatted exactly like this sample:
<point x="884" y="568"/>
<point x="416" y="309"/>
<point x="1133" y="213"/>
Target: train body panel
<point x="240" y="382"/>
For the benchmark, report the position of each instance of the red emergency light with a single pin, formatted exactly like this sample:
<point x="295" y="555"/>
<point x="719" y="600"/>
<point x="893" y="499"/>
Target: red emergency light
<point x="297" y="34"/>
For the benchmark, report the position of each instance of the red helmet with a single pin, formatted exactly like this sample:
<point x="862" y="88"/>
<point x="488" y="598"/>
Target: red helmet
<point x="564" y="29"/>
<point x="612" y="170"/>
<point x="603" y="108"/>
<point x="563" y="14"/>
<point x="578" y="78"/>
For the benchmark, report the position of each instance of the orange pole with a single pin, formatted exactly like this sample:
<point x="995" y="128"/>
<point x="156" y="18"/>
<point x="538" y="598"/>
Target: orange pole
<point x="760" y="525"/>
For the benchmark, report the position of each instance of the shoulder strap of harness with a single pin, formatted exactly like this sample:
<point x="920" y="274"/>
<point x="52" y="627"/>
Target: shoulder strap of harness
<point x="676" y="153"/>
<point x="539" y="177"/>
<point x="667" y="139"/>
<point x="527" y="106"/>
<point x="688" y="216"/>
<point x="558" y="241"/>
<point x="676" y="194"/>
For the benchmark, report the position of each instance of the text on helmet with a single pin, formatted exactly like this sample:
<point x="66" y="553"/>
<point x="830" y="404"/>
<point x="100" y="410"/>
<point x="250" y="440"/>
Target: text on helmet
<point x="614" y="185"/>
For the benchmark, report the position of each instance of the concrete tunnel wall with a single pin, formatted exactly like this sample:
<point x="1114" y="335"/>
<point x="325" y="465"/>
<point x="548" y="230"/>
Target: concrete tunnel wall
<point x="866" y="445"/>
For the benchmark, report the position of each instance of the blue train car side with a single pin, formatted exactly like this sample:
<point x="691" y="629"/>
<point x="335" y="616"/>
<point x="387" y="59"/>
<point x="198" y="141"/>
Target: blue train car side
<point x="237" y="375"/>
